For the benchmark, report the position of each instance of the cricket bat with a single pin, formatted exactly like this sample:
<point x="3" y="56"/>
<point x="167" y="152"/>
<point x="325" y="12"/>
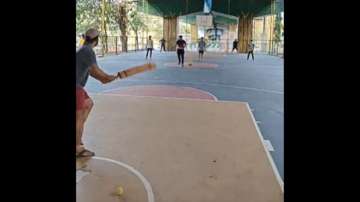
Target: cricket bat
<point x="136" y="70"/>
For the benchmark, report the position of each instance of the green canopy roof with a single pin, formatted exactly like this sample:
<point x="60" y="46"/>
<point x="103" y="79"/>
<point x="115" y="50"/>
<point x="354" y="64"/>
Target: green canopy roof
<point x="218" y="18"/>
<point x="229" y="7"/>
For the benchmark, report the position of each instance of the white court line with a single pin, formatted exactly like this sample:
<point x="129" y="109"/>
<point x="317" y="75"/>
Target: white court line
<point x="201" y="83"/>
<point x="212" y="95"/>
<point x="206" y="92"/>
<point x="81" y="174"/>
<point x="150" y="194"/>
<point x="161" y="97"/>
<point x="276" y="171"/>
<point x="269" y="145"/>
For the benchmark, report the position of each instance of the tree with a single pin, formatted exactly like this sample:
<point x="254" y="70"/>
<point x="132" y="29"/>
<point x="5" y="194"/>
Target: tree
<point x="95" y="14"/>
<point x="127" y="17"/>
<point x="108" y="16"/>
<point x="118" y="13"/>
<point x="88" y="14"/>
<point x="277" y="29"/>
<point x="136" y="24"/>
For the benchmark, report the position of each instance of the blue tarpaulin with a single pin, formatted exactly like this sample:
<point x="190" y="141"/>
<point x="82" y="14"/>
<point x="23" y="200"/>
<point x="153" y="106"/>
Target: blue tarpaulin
<point x="207" y="6"/>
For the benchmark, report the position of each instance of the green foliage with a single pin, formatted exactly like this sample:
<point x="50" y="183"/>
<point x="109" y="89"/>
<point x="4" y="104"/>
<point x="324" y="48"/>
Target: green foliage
<point x="88" y="14"/>
<point x="136" y="21"/>
<point x="277" y="28"/>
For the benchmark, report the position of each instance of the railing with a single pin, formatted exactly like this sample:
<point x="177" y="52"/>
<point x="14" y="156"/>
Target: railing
<point x="224" y="45"/>
<point x="114" y="46"/>
<point x="269" y="47"/>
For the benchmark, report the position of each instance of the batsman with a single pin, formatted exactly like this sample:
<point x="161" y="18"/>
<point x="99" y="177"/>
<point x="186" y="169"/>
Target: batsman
<point x="86" y="65"/>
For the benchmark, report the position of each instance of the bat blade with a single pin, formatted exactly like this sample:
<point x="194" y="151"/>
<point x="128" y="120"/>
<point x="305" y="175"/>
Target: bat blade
<point x="136" y="70"/>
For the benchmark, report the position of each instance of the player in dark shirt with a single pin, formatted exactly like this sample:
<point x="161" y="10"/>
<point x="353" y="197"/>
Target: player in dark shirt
<point x="162" y="44"/>
<point x="181" y="44"/>
<point x="235" y="45"/>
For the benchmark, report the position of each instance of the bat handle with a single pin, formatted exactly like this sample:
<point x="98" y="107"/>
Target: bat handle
<point x="119" y="75"/>
<point x="122" y="74"/>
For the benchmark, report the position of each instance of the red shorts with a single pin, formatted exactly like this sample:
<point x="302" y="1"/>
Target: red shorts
<point x="81" y="96"/>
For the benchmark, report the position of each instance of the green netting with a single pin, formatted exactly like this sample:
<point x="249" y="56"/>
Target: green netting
<point x="230" y="7"/>
<point x="170" y="7"/>
<point x="277" y="7"/>
<point x="191" y="19"/>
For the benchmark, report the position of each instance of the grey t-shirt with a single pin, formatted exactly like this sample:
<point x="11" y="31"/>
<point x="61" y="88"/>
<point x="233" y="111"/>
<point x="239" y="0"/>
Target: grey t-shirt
<point x="85" y="57"/>
<point x="201" y="45"/>
<point x="251" y="46"/>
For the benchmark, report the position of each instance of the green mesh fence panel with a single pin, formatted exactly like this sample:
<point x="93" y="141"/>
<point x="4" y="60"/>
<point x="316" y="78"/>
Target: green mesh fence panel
<point x="230" y="7"/>
<point x="191" y="19"/>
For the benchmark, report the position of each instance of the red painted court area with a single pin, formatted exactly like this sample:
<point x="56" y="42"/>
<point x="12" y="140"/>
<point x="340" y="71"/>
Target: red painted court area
<point x="164" y="91"/>
<point x="193" y="65"/>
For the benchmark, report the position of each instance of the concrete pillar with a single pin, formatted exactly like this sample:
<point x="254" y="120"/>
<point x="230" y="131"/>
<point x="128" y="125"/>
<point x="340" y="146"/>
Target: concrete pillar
<point x="170" y="31"/>
<point x="194" y="32"/>
<point x="245" y="26"/>
<point x="264" y="38"/>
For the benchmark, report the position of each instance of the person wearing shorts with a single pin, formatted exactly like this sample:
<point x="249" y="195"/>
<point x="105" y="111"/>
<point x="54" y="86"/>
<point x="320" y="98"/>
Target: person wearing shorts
<point x="162" y="44"/>
<point x="235" y="45"/>
<point x="86" y="65"/>
<point x="181" y="44"/>
<point x="201" y="47"/>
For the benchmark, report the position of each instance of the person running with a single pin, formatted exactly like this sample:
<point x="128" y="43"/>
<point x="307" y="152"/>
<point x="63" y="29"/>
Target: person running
<point x="149" y="47"/>
<point x="251" y="47"/>
<point x="235" y="45"/>
<point x="201" y="47"/>
<point x="86" y="65"/>
<point x="181" y="44"/>
<point x="162" y="44"/>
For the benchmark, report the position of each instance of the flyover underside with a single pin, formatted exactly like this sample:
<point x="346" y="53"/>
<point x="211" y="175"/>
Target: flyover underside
<point x="230" y="7"/>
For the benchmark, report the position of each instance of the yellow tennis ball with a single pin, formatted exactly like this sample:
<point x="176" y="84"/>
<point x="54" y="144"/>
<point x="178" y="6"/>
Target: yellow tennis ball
<point x="119" y="191"/>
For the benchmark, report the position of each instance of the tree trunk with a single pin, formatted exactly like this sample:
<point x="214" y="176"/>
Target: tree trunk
<point x="136" y="41"/>
<point x="170" y="32"/>
<point x="244" y="31"/>
<point x="123" y="27"/>
<point x="123" y="43"/>
<point x="103" y="28"/>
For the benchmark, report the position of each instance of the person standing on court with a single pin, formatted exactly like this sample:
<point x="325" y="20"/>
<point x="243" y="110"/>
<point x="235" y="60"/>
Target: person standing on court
<point x="235" y="45"/>
<point x="181" y="44"/>
<point x="201" y="47"/>
<point x="149" y="47"/>
<point x="86" y="65"/>
<point x="251" y="47"/>
<point x="162" y="44"/>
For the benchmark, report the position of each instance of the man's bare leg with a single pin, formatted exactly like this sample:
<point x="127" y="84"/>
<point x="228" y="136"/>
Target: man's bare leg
<point x="81" y="117"/>
<point x="79" y="130"/>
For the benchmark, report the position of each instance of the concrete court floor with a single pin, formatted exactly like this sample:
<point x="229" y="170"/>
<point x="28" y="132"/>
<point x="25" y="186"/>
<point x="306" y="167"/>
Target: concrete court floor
<point x="189" y="150"/>
<point x="260" y="83"/>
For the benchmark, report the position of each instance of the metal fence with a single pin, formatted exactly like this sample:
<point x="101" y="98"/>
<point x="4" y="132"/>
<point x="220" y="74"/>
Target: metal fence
<point x="114" y="46"/>
<point x="269" y="47"/>
<point x="224" y="45"/>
